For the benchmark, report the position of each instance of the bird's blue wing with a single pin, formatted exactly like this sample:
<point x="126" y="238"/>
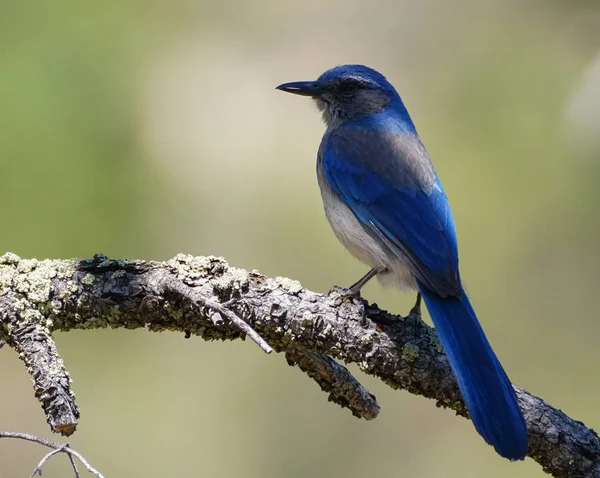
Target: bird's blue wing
<point x="391" y="187"/>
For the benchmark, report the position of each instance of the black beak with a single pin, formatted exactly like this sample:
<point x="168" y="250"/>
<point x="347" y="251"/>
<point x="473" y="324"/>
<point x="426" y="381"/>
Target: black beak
<point x="302" y="88"/>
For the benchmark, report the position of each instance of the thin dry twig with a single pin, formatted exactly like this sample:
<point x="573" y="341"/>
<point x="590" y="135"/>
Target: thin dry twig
<point x="74" y="465"/>
<point x="57" y="448"/>
<point x="38" y="469"/>
<point x="240" y="324"/>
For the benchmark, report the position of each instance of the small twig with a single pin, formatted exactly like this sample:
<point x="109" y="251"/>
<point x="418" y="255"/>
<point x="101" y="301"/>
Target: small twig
<point x="33" y="438"/>
<point x="38" y="469"/>
<point x="215" y="309"/>
<point x="57" y="448"/>
<point x="84" y="462"/>
<point x="239" y="323"/>
<point x="75" y="470"/>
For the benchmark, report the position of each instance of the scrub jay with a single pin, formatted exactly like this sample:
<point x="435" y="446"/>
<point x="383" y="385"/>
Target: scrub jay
<point x="386" y="205"/>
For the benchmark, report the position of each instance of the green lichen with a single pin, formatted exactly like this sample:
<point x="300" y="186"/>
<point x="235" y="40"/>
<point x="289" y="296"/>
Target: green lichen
<point x="7" y="274"/>
<point x="366" y="339"/>
<point x="42" y="330"/>
<point x="434" y="340"/>
<point x="66" y="292"/>
<point x="326" y="331"/>
<point x="118" y="274"/>
<point x="101" y="261"/>
<point x="410" y="352"/>
<point x="57" y="368"/>
<point x="392" y="384"/>
<point x="82" y="301"/>
<point x="113" y="316"/>
<point x="89" y="279"/>
<point x="21" y="285"/>
<point x="288" y="338"/>
<point x="9" y="259"/>
<point x="20" y="304"/>
<point x="65" y="269"/>
<point x="31" y="316"/>
<point x="186" y="264"/>
<point x="39" y="282"/>
<point x="232" y="279"/>
<point x="289" y="285"/>
<point x="307" y="319"/>
<point x="27" y="265"/>
<point x="336" y="351"/>
<point x="364" y="366"/>
<point x="175" y="313"/>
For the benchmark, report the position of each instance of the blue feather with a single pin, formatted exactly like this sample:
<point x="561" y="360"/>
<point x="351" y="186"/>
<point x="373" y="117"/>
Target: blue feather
<point x="486" y="389"/>
<point x="410" y="211"/>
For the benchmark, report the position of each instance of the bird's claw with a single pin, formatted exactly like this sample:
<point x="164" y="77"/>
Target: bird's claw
<point x="353" y="295"/>
<point x="345" y="292"/>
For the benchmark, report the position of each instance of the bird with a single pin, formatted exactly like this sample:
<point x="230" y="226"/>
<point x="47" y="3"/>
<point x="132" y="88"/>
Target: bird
<point x="385" y="203"/>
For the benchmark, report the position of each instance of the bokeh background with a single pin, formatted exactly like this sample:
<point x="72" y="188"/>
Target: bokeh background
<point x="143" y="129"/>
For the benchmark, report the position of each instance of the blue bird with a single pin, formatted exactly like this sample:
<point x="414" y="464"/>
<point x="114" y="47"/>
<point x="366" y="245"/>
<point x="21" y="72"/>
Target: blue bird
<point x="386" y="205"/>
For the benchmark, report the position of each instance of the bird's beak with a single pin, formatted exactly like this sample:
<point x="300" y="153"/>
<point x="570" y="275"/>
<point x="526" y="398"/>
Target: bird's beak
<point x="302" y="88"/>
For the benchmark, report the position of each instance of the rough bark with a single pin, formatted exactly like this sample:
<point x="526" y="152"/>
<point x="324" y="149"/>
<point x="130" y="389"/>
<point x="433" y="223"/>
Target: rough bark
<point x="204" y="296"/>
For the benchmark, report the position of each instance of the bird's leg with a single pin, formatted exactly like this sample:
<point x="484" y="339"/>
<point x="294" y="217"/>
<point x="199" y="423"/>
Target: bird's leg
<point x="353" y="292"/>
<point x="416" y="310"/>
<point x="354" y="289"/>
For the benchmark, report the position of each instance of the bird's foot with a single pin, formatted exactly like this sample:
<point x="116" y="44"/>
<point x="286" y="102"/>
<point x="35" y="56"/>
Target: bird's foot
<point x="346" y="292"/>
<point x="353" y="292"/>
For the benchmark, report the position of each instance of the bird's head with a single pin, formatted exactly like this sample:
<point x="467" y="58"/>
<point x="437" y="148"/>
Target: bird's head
<point x="346" y="92"/>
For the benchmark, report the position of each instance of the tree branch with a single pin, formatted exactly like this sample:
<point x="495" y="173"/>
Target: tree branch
<point x="56" y="448"/>
<point x="206" y="297"/>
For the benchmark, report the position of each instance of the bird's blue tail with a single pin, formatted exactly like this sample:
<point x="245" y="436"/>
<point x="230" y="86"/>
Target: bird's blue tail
<point x="485" y="387"/>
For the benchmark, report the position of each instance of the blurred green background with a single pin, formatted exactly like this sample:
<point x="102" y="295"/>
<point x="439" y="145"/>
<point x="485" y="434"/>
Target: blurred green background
<point x="144" y="129"/>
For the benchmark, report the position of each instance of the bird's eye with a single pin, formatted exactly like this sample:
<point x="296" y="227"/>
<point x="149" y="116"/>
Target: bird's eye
<point x="347" y="87"/>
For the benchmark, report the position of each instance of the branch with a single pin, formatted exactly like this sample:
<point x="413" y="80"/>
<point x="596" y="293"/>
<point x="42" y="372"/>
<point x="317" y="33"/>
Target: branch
<point x="56" y="448"/>
<point x="204" y="296"/>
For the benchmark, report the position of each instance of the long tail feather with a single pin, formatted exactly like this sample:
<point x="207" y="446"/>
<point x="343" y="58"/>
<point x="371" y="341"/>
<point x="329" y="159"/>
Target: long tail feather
<point x="485" y="387"/>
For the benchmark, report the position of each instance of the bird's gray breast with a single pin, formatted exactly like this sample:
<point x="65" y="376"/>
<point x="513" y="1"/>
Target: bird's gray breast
<point x="347" y="228"/>
<point x="360" y="240"/>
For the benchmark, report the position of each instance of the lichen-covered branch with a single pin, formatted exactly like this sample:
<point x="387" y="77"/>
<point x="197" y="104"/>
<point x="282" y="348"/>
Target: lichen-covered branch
<point x="204" y="296"/>
<point x="336" y="380"/>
